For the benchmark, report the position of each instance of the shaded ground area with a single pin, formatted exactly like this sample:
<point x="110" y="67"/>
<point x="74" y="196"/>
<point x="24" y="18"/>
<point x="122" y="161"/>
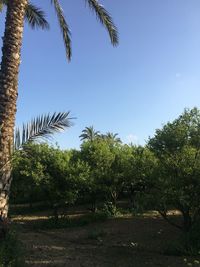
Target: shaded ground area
<point x="118" y="242"/>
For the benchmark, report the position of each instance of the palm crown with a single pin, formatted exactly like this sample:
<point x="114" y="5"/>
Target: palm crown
<point x="113" y="137"/>
<point x="36" y="18"/>
<point x="89" y="134"/>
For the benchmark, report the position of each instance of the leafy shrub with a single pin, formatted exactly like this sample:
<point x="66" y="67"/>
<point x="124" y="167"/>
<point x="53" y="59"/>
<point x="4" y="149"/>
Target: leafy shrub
<point x="109" y="209"/>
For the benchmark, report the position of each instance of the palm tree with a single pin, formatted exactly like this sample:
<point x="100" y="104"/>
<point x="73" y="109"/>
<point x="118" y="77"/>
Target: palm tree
<point x="12" y="42"/>
<point x="89" y="134"/>
<point x="42" y="127"/>
<point x="112" y="137"/>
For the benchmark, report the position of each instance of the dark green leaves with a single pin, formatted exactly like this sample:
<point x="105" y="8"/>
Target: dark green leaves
<point x="36" y="17"/>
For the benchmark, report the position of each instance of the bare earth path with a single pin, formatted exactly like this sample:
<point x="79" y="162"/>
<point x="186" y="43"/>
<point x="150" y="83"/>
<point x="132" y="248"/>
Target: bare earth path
<point x="134" y="242"/>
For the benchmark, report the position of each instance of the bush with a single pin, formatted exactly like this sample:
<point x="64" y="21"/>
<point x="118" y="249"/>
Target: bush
<point x="11" y="253"/>
<point x="109" y="209"/>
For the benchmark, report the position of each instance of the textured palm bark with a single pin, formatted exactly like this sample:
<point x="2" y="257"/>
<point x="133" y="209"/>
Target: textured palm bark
<point x="12" y="42"/>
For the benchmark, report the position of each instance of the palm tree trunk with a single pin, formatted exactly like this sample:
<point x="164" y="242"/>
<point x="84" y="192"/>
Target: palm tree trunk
<point x="12" y="42"/>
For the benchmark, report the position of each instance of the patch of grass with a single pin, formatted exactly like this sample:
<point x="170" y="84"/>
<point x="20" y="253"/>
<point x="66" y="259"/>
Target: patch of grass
<point x="11" y="251"/>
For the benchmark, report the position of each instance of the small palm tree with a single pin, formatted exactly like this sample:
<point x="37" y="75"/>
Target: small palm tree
<point x="112" y="137"/>
<point x="42" y="127"/>
<point x="89" y="134"/>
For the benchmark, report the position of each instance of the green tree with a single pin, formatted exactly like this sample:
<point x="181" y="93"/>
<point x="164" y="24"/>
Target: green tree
<point x="177" y="179"/>
<point x="12" y="42"/>
<point x="99" y="157"/>
<point x="80" y="170"/>
<point x="140" y="168"/>
<point x="58" y="185"/>
<point x="27" y="175"/>
<point x="115" y="178"/>
<point x="45" y="173"/>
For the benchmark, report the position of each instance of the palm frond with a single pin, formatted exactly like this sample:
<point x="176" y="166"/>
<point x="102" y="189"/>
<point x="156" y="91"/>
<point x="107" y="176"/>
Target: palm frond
<point x="36" y="17"/>
<point x="64" y="28"/>
<point x="106" y="20"/>
<point x="41" y="127"/>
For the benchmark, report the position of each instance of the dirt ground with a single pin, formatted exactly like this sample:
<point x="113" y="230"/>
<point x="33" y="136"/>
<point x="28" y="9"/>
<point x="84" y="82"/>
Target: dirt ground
<point x="118" y="242"/>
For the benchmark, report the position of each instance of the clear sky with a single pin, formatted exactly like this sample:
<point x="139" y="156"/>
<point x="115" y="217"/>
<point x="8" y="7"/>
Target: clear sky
<point x="132" y="89"/>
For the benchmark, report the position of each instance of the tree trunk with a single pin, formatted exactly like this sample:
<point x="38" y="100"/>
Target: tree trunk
<point x="114" y="198"/>
<point x="12" y="42"/>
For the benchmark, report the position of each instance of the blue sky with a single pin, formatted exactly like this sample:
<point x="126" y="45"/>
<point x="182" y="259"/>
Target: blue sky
<point x="132" y="89"/>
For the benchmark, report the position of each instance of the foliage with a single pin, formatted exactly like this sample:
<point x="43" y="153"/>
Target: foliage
<point x="27" y="167"/>
<point x="109" y="209"/>
<point x="101" y="171"/>
<point x="99" y="158"/>
<point x="177" y="179"/>
<point x="138" y="168"/>
<point x="163" y="175"/>
<point x="43" y="171"/>
<point x="27" y="173"/>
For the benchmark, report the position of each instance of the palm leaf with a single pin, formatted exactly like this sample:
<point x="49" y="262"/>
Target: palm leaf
<point x="42" y="127"/>
<point x="106" y="20"/>
<point x="36" y="17"/>
<point x="64" y="28"/>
